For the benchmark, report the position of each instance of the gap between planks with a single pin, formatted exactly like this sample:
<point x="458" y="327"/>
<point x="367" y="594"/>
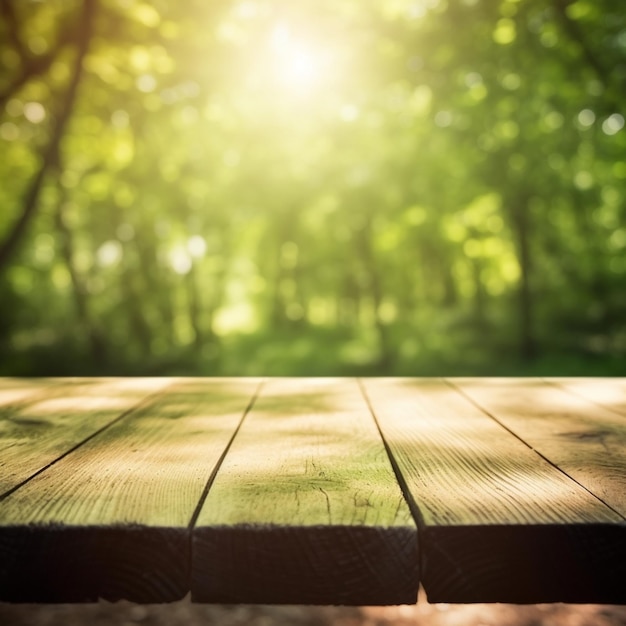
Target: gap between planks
<point x="123" y="500"/>
<point x="305" y="508"/>
<point x="496" y="539"/>
<point x="52" y="448"/>
<point x="485" y="546"/>
<point x="581" y="438"/>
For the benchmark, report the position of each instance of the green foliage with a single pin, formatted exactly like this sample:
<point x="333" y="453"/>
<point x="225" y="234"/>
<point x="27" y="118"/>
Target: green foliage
<point x="339" y="187"/>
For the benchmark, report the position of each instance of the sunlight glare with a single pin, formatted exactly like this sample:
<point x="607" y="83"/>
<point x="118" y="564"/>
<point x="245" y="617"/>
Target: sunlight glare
<point x="297" y="66"/>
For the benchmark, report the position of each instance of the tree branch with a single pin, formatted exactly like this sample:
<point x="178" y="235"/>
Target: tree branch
<point x="33" y="66"/>
<point x="9" y="15"/>
<point x="31" y="196"/>
<point x="86" y="322"/>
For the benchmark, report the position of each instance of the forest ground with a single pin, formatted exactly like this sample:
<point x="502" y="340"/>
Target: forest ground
<point x="184" y="613"/>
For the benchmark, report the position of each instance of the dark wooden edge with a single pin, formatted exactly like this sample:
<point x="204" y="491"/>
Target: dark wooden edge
<point x="579" y="563"/>
<point x="305" y="565"/>
<point x="82" y="564"/>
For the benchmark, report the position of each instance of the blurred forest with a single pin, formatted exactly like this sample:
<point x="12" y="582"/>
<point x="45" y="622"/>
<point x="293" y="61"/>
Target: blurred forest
<point x="312" y="187"/>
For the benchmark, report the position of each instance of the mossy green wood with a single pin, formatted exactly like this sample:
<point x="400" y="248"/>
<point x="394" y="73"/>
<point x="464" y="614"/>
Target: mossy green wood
<point x="498" y="523"/>
<point x="111" y="519"/>
<point x="44" y="419"/>
<point x="584" y="440"/>
<point x="306" y="507"/>
<point x="609" y="393"/>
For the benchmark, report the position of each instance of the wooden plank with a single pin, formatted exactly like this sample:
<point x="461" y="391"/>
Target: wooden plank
<point x="584" y="440"/>
<point x="305" y="508"/>
<point x="14" y="391"/>
<point x="497" y="522"/>
<point x="17" y="394"/>
<point x="53" y="417"/>
<point x="607" y="392"/>
<point x="111" y="519"/>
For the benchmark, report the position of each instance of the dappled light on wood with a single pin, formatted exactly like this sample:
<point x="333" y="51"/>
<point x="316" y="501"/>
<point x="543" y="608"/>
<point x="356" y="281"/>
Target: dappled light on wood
<point x="483" y="494"/>
<point x="309" y="491"/>
<point x="586" y="440"/>
<point x="146" y="465"/>
<point x="465" y="470"/>
<point x="606" y="392"/>
<point x="310" y="454"/>
<point x="306" y="507"/>
<point x="39" y="427"/>
<point x="126" y="500"/>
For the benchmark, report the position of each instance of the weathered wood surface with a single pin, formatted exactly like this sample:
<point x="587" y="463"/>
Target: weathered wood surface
<point x="607" y="392"/>
<point x="16" y="390"/>
<point x="305" y="508"/>
<point x="497" y="521"/>
<point x="284" y="491"/>
<point x="41" y="421"/>
<point x="585" y="441"/>
<point x="112" y="518"/>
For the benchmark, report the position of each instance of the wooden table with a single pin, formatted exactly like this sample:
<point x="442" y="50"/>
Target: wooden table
<point x="329" y="491"/>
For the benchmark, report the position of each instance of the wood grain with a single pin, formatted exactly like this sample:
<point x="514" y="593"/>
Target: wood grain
<point x="111" y="519"/>
<point x="497" y="522"/>
<point x="13" y="391"/>
<point x="586" y="441"/>
<point x="105" y="500"/>
<point x="607" y="392"/>
<point x="44" y="419"/>
<point x="305" y="508"/>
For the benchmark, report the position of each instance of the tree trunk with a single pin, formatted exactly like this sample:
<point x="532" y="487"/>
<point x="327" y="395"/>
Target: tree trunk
<point x="134" y="309"/>
<point x="479" y="293"/>
<point x="157" y="284"/>
<point x="50" y="155"/>
<point x="521" y="224"/>
<point x="195" y="309"/>
<point x="95" y="338"/>
<point x="364" y="243"/>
